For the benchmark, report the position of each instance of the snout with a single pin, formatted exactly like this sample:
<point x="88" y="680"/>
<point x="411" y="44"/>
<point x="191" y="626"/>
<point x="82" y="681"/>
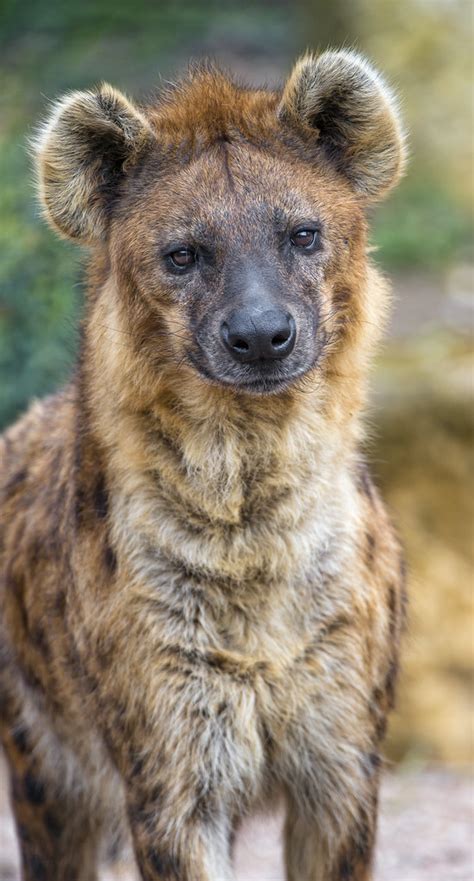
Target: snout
<point x="250" y="334"/>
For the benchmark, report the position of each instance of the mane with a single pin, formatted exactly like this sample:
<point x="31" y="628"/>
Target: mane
<point x="208" y="103"/>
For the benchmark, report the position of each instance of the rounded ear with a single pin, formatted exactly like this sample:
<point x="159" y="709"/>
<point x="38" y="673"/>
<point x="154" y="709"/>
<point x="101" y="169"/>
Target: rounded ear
<point x="353" y="115"/>
<point x="82" y="152"/>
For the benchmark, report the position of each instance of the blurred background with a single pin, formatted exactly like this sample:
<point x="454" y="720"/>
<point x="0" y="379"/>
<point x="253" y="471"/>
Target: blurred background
<point x="422" y="415"/>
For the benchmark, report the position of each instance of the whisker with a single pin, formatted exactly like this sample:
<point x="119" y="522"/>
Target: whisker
<point x="156" y="333"/>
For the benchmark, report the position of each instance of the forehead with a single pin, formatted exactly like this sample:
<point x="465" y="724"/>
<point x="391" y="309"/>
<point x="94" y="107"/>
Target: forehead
<point x="244" y="184"/>
<point x="222" y="157"/>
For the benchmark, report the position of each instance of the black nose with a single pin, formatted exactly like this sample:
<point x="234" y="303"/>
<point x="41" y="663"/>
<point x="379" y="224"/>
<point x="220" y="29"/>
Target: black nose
<point x="253" y="335"/>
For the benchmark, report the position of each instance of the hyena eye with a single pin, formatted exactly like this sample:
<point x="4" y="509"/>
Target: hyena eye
<point x="304" y="238"/>
<point x="182" y="258"/>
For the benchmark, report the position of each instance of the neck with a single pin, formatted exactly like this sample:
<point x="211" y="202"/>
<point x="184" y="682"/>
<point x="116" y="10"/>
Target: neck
<point x="190" y="463"/>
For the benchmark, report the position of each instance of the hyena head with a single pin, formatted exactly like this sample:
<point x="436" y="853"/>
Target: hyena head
<point x="231" y="220"/>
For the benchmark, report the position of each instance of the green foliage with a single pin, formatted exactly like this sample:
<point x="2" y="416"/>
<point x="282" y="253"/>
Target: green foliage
<point x="37" y="308"/>
<point x="422" y="226"/>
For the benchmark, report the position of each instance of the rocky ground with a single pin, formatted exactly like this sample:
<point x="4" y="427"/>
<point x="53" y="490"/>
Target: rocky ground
<point x="426" y="834"/>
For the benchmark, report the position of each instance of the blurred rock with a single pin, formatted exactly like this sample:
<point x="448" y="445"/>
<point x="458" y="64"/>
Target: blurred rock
<point x="423" y="455"/>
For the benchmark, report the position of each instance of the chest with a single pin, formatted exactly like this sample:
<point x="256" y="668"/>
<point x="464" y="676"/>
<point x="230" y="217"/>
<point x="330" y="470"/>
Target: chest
<point x="244" y="551"/>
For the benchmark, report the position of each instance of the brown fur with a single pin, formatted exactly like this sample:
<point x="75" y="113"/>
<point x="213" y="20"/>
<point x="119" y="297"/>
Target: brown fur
<point x="201" y="594"/>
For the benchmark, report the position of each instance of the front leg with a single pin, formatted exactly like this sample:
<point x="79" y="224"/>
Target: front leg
<point x="187" y="745"/>
<point x="180" y="827"/>
<point x="193" y="851"/>
<point x="332" y="785"/>
<point x="58" y="826"/>
<point x="310" y="856"/>
<point x="192" y="775"/>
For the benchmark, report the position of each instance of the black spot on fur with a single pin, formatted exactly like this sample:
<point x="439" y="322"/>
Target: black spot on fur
<point x="30" y="677"/>
<point x="74" y="662"/>
<point x="140" y="815"/>
<point x="110" y="559"/>
<point x="378" y="709"/>
<point x="6" y="704"/>
<point x="80" y="505"/>
<point x="39" y="640"/>
<point x="23" y="833"/>
<point x="370" y="550"/>
<point x="375" y="760"/>
<point x="404" y="606"/>
<point x="204" y="808"/>
<point x="157" y="794"/>
<point x="101" y="499"/>
<point x="119" y="710"/>
<point x="20" y="739"/>
<point x="403" y="569"/>
<point x="34" y="789"/>
<point x="137" y="764"/>
<point x="15" y="482"/>
<point x="12" y="582"/>
<point x="392" y="607"/>
<point x="53" y="824"/>
<point x="363" y="844"/>
<point x="35" y="868"/>
<point x="365" y="484"/>
<point x="390" y="683"/>
<point x="372" y="763"/>
<point x="346" y="869"/>
<point x="381" y="728"/>
<point x="23" y="614"/>
<point x="60" y="603"/>
<point x="166" y="866"/>
<point x="358" y="855"/>
<point x="16" y="789"/>
<point x="335" y="625"/>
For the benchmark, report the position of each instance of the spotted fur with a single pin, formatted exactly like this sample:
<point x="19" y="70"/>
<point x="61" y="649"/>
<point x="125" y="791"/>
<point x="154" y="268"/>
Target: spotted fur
<point x="201" y="593"/>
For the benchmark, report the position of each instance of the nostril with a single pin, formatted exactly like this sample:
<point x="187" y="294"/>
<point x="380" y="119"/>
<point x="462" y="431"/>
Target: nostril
<point x="240" y="345"/>
<point x="234" y="341"/>
<point x="280" y="338"/>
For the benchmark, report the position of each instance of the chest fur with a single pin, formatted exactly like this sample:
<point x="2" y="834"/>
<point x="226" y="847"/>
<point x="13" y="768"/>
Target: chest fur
<point x="258" y="583"/>
<point x="232" y="501"/>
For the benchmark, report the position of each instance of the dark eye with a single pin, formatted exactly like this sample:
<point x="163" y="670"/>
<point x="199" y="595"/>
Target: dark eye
<point x="182" y="258"/>
<point x="304" y="238"/>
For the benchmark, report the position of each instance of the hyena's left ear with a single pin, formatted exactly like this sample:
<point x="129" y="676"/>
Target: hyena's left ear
<point x="82" y="154"/>
<point x="353" y="115"/>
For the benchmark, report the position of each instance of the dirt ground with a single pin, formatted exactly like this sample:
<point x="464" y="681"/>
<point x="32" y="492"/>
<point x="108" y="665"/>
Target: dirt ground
<point x="426" y="834"/>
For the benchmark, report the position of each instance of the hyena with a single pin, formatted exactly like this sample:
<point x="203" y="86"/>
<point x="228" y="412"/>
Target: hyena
<point x="201" y="592"/>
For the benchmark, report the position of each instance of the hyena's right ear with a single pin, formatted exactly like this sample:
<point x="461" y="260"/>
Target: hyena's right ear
<point x="82" y="152"/>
